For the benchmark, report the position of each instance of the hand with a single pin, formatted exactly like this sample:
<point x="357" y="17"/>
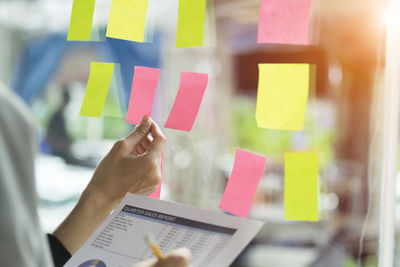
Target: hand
<point x="180" y="257"/>
<point x="133" y="165"/>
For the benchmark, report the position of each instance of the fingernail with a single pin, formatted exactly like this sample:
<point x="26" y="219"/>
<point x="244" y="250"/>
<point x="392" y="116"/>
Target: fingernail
<point x="145" y="119"/>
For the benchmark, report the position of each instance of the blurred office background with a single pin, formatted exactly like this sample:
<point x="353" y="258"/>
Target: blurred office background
<point x="343" y="121"/>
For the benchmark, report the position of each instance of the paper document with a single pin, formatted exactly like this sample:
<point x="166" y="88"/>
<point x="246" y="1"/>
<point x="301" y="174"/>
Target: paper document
<point x="215" y="239"/>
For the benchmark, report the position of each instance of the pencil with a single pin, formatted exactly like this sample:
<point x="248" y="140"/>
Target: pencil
<point x="156" y="250"/>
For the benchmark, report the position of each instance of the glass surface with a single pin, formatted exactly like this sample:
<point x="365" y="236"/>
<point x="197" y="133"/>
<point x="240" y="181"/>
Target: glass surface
<point x="343" y="120"/>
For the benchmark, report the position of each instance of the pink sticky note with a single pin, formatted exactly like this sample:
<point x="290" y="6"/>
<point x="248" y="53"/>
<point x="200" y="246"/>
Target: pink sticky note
<point x="243" y="182"/>
<point x="144" y="86"/>
<point x="156" y="194"/>
<point x="284" y="21"/>
<point x="187" y="102"/>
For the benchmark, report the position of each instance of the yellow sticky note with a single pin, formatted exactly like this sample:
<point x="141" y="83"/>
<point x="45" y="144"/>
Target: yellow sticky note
<point x="127" y="19"/>
<point x="97" y="89"/>
<point x="80" y="25"/>
<point x="282" y="96"/>
<point x="301" y="186"/>
<point x="190" y="30"/>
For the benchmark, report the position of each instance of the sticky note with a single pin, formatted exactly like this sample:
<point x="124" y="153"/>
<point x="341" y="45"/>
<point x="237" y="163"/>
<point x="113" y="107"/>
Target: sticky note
<point x="301" y="186"/>
<point x="187" y="102"/>
<point x="284" y="21"/>
<point x="156" y="194"/>
<point x="243" y="182"/>
<point x="144" y="86"/>
<point x="282" y="96"/>
<point x="190" y="29"/>
<point x="97" y="89"/>
<point x="127" y="19"/>
<point x="80" y="25"/>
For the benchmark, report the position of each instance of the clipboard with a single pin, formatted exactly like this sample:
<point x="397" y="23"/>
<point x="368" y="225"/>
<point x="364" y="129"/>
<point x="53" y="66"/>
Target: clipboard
<point x="214" y="238"/>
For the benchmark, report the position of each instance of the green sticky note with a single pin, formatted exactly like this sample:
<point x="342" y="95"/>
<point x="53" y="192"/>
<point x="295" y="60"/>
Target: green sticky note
<point x="80" y="25"/>
<point x="282" y="96"/>
<point x="301" y="186"/>
<point x="190" y="31"/>
<point x="127" y="19"/>
<point x="97" y="89"/>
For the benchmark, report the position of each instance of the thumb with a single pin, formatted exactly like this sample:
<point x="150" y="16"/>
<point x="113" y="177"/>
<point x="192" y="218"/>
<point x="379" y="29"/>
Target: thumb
<point x="141" y="131"/>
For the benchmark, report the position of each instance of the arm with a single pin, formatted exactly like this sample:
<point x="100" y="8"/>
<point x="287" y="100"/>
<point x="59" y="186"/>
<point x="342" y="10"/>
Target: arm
<point x="132" y="165"/>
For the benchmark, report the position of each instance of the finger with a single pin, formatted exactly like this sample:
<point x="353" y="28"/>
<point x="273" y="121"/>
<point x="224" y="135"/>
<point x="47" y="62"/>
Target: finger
<point x="139" y="149"/>
<point x="141" y="131"/>
<point x="143" y="146"/>
<point x="157" y="145"/>
<point x="177" y="258"/>
<point x="148" y="263"/>
<point x="146" y="142"/>
<point x="183" y="252"/>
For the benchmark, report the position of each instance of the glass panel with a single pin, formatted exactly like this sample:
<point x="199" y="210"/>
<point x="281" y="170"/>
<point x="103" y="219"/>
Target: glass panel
<point x="344" y="118"/>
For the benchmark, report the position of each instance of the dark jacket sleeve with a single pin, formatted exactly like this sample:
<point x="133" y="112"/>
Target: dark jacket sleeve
<point x="58" y="251"/>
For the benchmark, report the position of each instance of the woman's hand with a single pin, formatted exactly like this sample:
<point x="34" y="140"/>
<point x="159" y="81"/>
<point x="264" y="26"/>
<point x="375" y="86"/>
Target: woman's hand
<point x="180" y="257"/>
<point x="132" y="165"/>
